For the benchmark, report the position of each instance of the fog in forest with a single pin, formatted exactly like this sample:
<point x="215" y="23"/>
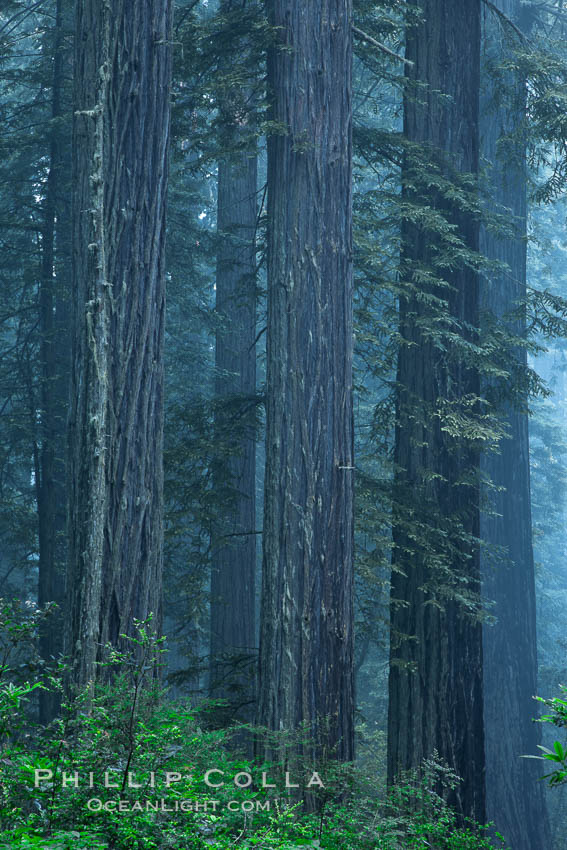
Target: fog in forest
<point x="283" y="424"/>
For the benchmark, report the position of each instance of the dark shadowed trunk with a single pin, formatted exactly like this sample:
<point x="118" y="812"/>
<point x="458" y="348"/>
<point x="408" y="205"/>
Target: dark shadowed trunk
<point x="122" y="79"/>
<point x="306" y="640"/>
<point x="233" y="631"/>
<point x="55" y="328"/>
<point x="515" y="800"/>
<point x="436" y="646"/>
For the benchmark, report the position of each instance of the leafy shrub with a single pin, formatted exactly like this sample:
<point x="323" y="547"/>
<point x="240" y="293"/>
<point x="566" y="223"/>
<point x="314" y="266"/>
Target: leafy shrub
<point x="127" y="747"/>
<point x="558" y="755"/>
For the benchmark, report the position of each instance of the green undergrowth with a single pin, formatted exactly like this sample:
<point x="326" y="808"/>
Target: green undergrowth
<point x="158" y="795"/>
<point x="188" y="814"/>
<point x="124" y="768"/>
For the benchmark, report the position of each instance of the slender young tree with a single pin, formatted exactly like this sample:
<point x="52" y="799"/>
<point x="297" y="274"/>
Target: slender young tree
<point x="515" y="800"/>
<point x="435" y="684"/>
<point x="306" y="638"/>
<point x="121" y="133"/>
<point x="233" y="596"/>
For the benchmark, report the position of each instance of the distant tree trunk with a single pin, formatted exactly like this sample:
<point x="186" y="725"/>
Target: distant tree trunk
<point x="515" y="799"/>
<point x="233" y="630"/>
<point x="122" y="81"/>
<point x="435" y="685"/>
<point x="55" y="363"/>
<point x="306" y="639"/>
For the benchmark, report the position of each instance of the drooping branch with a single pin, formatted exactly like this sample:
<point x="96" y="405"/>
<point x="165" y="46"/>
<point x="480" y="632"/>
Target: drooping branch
<point x="365" y="37"/>
<point x="504" y="17"/>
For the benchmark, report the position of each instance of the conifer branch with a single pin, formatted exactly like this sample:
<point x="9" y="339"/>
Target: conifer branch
<point x="380" y="46"/>
<point x="505" y="18"/>
<point x="186" y="12"/>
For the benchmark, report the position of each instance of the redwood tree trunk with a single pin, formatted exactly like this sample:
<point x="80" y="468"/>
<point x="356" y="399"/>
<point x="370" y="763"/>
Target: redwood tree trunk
<point x="436" y="700"/>
<point x="233" y="631"/>
<point x="306" y="640"/>
<point x="121" y="133"/>
<point x="515" y="800"/>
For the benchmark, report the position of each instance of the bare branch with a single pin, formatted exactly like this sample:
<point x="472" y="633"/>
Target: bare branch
<point x="380" y="46"/>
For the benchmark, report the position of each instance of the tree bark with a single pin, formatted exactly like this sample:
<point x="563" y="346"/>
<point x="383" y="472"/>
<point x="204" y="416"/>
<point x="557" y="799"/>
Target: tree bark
<point x="515" y="800"/>
<point x="121" y="133"/>
<point x="435" y="683"/>
<point x="306" y="639"/>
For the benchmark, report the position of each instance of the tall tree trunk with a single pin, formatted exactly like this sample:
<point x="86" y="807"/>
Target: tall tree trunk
<point x="515" y="800"/>
<point x="233" y="631"/>
<point x="55" y="363"/>
<point x="306" y="639"/>
<point x="122" y="81"/>
<point x="435" y="682"/>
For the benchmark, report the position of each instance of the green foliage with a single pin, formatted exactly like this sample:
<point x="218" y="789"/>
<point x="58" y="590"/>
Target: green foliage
<point x="128" y="770"/>
<point x="171" y="739"/>
<point x="558" y="754"/>
<point x="129" y="724"/>
<point x="495" y="349"/>
<point x="22" y="672"/>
